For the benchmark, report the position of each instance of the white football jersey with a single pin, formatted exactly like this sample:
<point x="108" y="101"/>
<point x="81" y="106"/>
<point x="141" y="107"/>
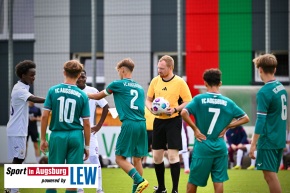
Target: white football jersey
<point x="93" y="103"/>
<point x="18" y="120"/>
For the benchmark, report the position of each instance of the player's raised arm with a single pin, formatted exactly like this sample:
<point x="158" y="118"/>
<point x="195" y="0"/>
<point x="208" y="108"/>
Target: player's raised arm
<point x="97" y="96"/>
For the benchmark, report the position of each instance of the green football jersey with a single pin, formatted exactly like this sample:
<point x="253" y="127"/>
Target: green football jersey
<point x="272" y="111"/>
<point x="68" y="104"/>
<point x="212" y="112"/>
<point x="129" y="99"/>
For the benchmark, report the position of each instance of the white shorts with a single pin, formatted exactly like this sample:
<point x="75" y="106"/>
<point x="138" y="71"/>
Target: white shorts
<point x="16" y="147"/>
<point x="94" y="145"/>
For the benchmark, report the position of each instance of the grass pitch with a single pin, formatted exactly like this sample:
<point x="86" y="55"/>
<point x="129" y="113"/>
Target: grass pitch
<point x="116" y="181"/>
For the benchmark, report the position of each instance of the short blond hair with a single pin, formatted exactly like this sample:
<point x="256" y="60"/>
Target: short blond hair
<point x="168" y="60"/>
<point x="73" y="68"/>
<point x="268" y="62"/>
<point x="126" y="62"/>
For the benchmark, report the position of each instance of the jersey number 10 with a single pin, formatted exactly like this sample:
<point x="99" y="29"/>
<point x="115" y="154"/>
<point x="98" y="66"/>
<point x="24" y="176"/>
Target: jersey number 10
<point x="64" y="113"/>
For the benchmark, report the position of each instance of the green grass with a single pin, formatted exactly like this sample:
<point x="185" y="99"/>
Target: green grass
<point x="241" y="181"/>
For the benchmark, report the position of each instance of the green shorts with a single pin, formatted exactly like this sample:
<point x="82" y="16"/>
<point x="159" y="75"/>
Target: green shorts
<point x="200" y="168"/>
<point x="132" y="140"/>
<point x="66" y="147"/>
<point x="269" y="159"/>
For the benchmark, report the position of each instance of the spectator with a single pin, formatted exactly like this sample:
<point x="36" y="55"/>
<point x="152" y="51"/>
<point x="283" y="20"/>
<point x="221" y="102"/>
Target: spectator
<point x="238" y="142"/>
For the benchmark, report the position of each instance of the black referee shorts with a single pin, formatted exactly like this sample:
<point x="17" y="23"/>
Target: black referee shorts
<point x="167" y="133"/>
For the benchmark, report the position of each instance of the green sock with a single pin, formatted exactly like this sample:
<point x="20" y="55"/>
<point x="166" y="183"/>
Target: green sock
<point x="71" y="191"/>
<point x="134" y="174"/>
<point x="51" y="191"/>
<point x="134" y="187"/>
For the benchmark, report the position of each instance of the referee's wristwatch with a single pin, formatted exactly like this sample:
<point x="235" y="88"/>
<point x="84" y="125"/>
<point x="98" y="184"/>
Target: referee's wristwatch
<point x="175" y="110"/>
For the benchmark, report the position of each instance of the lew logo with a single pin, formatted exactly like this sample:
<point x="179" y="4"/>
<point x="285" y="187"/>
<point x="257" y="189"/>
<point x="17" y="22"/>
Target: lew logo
<point x="83" y="175"/>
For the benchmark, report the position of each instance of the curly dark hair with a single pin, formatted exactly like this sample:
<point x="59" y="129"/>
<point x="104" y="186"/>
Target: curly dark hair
<point x="212" y="76"/>
<point x="23" y="67"/>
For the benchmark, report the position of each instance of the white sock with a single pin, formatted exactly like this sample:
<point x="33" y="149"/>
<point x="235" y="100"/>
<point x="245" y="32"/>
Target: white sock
<point x="239" y="157"/>
<point x="253" y="161"/>
<point x="185" y="158"/>
<point x="95" y="160"/>
<point x="37" y="159"/>
<point x="99" y="176"/>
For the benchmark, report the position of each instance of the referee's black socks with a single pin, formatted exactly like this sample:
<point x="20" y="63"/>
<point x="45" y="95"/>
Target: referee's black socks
<point x="175" y="173"/>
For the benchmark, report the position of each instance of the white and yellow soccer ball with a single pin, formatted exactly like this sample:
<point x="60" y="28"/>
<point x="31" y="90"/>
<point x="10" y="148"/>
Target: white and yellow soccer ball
<point x="160" y="105"/>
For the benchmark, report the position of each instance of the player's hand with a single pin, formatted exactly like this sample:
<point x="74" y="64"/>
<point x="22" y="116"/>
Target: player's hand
<point x="240" y="146"/>
<point x="252" y="150"/>
<point x="154" y="113"/>
<point x="234" y="147"/>
<point x="223" y="133"/>
<point x="199" y="136"/>
<point x="43" y="146"/>
<point x="87" y="153"/>
<point x="170" y="111"/>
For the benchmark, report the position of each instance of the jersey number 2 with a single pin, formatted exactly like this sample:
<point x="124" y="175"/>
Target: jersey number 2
<point x="135" y="94"/>
<point x="64" y="113"/>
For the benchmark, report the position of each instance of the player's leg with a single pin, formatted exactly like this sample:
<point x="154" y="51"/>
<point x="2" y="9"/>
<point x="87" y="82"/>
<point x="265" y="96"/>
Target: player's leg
<point x="191" y="188"/>
<point x="75" y="151"/>
<point x="269" y="161"/>
<point x="173" y="129"/>
<point x="272" y="181"/>
<point x="126" y="146"/>
<point x="149" y="136"/>
<point x="137" y="162"/>
<point x="185" y="157"/>
<point x="16" y="152"/>
<point x="240" y="153"/>
<point x="27" y="139"/>
<point x="184" y="152"/>
<point x="218" y="187"/>
<point x="35" y="139"/>
<point x="159" y="142"/>
<point x="94" y="159"/>
<point x="219" y="173"/>
<point x="140" y="150"/>
<point x="231" y="156"/>
<point x="199" y="173"/>
<point x="173" y="158"/>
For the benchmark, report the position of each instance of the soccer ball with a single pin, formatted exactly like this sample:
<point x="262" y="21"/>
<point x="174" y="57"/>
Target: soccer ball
<point x="160" y="105"/>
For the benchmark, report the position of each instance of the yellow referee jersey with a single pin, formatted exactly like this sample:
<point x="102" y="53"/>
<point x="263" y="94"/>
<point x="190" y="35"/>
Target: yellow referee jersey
<point x="171" y="90"/>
